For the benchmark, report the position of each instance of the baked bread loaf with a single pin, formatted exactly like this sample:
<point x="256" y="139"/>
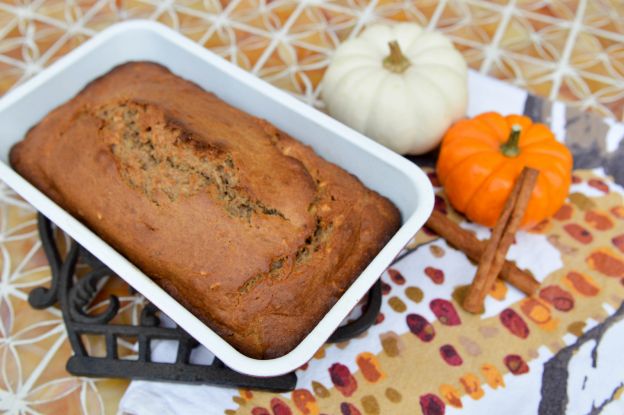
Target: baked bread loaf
<point x="246" y="227"/>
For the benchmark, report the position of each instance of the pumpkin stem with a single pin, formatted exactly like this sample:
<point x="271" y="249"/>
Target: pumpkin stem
<point x="510" y="148"/>
<point x="396" y="61"/>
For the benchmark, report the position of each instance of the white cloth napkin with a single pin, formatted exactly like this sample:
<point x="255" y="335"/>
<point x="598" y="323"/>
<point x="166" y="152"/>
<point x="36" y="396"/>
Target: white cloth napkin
<point x="522" y="393"/>
<point x="143" y="398"/>
<point x="520" y="396"/>
<point x="162" y="398"/>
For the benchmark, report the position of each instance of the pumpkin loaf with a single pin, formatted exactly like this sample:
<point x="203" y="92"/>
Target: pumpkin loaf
<point x="245" y="226"/>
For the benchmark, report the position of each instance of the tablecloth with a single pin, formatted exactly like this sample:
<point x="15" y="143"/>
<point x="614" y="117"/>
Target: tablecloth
<point x="567" y="50"/>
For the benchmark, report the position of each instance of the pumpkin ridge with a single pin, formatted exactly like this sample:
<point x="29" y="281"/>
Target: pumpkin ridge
<point x="546" y="162"/>
<point x="451" y="70"/>
<point x="457" y="133"/>
<point x="539" y="204"/>
<point x="456" y="174"/>
<point x="539" y="131"/>
<point x="420" y="51"/>
<point x="374" y="38"/>
<point x="543" y="162"/>
<point x="361" y="72"/>
<point x="438" y="42"/>
<point x="479" y="142"/>
<point x="467" y="157"/>
<point x="551" y="174"/>
<point x="555" y="167"/>
<point x="355" y="71"/>
<point x="441" y="92"/>
<point x="548" y="189"/>
<point x="494" y="172"/>
<point x="554" y="204"/>
<point x="482" y="120"/>
<point x="415" y="36"/>
<point x="537" y="134"/>
<point x="335" y="84"/>
<point x="444" y="56"/>
<point x="537" y="148"/>
<point x="371" y="107"/>
<point x="476" y="142"/>
<point x="540" y="141"/>
<point x="423" y="56"/>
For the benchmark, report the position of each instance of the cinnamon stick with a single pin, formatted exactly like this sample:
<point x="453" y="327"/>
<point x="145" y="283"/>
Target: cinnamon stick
<point x="502" y="237"/>
<point x="466" y="242"/>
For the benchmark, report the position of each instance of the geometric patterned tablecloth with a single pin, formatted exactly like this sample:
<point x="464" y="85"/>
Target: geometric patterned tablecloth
<point x="567" y="50"/>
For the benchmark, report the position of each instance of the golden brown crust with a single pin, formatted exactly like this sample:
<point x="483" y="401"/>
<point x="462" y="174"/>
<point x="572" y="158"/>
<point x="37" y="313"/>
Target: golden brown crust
<point x="245" y="226"/>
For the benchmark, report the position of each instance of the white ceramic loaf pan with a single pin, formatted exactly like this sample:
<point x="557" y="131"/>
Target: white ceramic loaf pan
<point x="379" y="168"/>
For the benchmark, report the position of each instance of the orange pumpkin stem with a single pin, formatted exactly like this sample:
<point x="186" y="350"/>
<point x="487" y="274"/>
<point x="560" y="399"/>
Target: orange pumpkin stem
<point x="396" y="61"/>
<point x="511" y="147"/>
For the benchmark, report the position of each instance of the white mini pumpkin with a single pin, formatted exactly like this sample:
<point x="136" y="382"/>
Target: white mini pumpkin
<point x="400" y="85"/>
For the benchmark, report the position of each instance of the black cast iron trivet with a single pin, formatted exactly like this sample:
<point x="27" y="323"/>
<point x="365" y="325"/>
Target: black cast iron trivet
<point x="75" y="294"/>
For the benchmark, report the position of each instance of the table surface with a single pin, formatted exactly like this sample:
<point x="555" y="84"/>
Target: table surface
<point x="567" y="50"/>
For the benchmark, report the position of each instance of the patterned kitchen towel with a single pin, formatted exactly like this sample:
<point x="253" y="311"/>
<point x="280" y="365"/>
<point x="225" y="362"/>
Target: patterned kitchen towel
<point x="556" y="352"/>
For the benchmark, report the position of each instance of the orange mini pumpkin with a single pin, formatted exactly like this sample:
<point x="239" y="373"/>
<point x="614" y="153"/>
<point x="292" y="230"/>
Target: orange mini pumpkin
<point x="481" y="158"/>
